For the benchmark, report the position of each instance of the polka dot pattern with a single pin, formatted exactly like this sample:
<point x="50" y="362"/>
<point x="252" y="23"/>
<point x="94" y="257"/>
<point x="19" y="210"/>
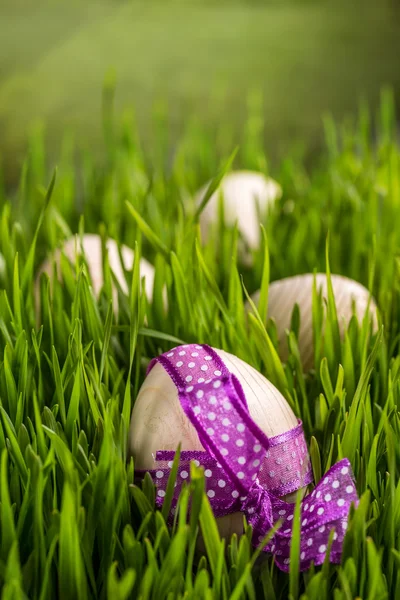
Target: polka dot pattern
<point x="246" y="471"/>
<point x="324" y="509"/>
<point x="230" y="442"/>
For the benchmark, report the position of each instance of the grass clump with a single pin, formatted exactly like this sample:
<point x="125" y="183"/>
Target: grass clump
<point x="73" y="524"/>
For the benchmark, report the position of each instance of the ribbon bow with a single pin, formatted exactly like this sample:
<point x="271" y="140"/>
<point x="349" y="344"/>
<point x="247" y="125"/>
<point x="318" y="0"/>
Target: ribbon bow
<point x="247" y="471"/>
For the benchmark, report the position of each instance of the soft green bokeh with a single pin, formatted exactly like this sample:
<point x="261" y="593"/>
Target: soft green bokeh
<point x="201" y="58"/>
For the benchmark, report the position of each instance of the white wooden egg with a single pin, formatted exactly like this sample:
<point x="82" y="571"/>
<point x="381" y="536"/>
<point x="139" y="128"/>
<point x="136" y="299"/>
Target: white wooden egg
<point x="91" y="245"/>
<point x="285" y="293"/>
<point x="159" y="423"/>
<point x="241" y="190"/>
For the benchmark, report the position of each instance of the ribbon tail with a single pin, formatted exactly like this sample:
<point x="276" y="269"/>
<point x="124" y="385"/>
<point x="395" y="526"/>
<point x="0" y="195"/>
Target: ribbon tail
<point x="325" y="509"/>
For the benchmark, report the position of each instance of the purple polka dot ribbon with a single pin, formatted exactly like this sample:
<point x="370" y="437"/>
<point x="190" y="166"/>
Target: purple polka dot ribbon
<point x="247" y="471"/>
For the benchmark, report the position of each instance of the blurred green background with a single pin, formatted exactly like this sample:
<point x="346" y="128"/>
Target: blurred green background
<point x="200" y="58"/>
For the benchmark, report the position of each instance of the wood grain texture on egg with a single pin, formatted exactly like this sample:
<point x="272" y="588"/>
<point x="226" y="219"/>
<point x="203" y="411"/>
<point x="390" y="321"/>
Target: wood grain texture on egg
<point x="91" y="246"/>
<point x="159" y="423"/>
<point x="285" y="293"/>
<point x="241" y="190"/>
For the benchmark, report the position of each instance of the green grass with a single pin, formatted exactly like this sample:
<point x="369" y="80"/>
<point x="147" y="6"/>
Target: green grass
<point x="72" y="522"/>
<point x="201" y="58"/>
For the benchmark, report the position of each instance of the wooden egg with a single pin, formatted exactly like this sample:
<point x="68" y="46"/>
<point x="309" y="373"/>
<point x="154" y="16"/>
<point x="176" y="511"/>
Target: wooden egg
<point x="158" y="422"/>
<point x="285" y="293"/>
<point x="92" y="251"/>
<point x="240" y="191"/>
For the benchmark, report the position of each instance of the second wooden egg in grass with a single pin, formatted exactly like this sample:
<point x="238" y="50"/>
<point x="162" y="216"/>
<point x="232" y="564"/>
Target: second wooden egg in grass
<point x="350" y="298"/>
<point x="90" y="245"/>
<point x="241" y="192"/>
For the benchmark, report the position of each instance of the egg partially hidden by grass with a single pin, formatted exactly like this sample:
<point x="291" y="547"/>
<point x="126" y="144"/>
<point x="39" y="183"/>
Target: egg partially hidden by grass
<point x="91" y="247"/>
<point x="285" y="293"/>
<point x="159" y="423"/>
<point x="241" y="191"/>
